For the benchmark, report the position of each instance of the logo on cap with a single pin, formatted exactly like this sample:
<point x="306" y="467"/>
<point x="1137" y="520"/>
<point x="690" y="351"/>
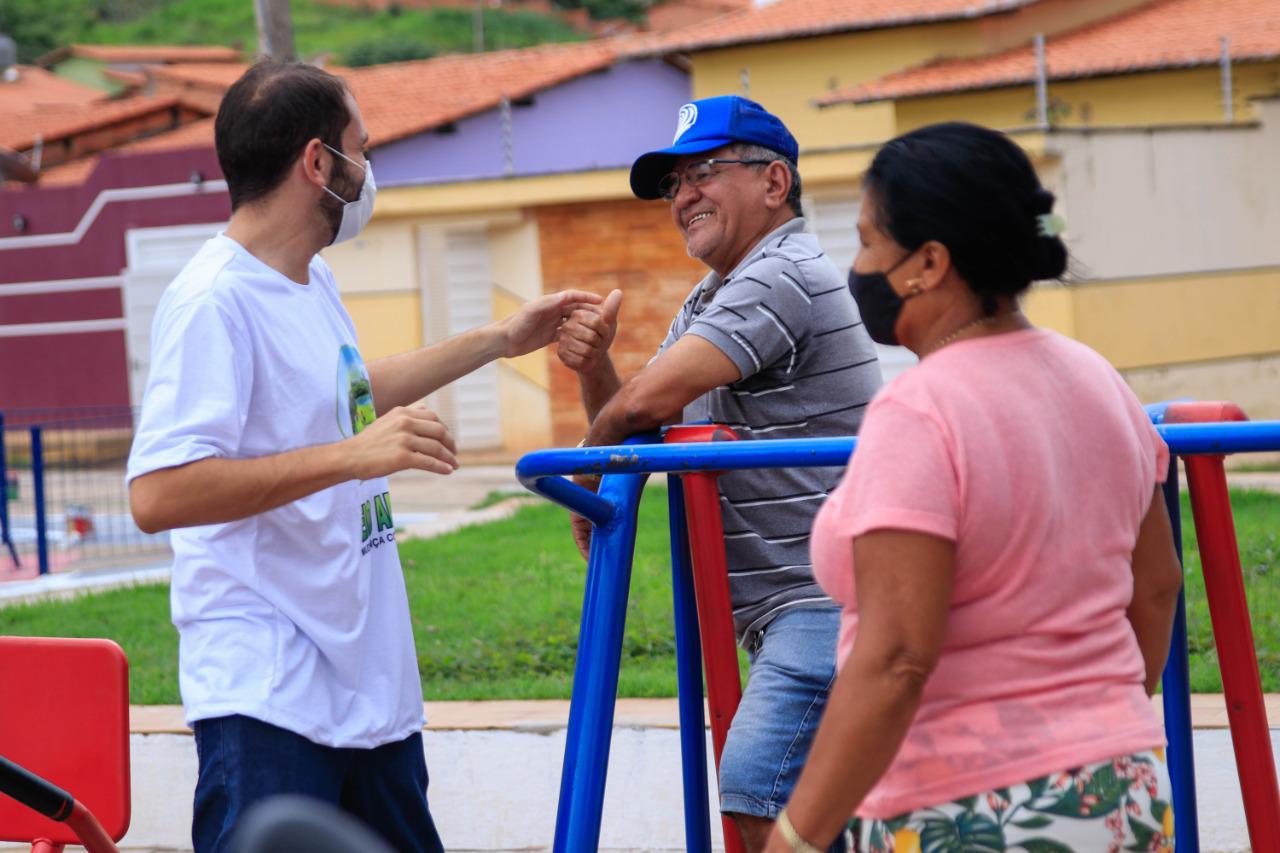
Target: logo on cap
<point x="688" y="115"/>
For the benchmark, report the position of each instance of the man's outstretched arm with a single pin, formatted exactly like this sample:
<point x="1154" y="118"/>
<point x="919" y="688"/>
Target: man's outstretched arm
<point x="215" y="490"/>
<point x="684" y="371"/>
<point x="656" y="395"/>
<point x="403" y="379"/>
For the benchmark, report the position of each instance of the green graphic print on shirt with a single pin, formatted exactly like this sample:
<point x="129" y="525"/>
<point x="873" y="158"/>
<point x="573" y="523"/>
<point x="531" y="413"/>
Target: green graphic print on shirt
<point x="355" y="412"/>
<point x="376" y="512"/>
<point x="355" y="394"/>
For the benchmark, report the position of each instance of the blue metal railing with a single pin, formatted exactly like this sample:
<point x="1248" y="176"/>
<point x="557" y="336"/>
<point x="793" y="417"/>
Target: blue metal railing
<point x="591" y="711"/>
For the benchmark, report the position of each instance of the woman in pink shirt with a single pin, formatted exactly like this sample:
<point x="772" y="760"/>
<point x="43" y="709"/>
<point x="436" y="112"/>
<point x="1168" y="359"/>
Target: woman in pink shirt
<point x="998" y="544"/>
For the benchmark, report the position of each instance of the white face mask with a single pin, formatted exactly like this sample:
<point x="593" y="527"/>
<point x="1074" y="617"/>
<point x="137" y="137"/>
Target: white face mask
<point x="357" y="212"/>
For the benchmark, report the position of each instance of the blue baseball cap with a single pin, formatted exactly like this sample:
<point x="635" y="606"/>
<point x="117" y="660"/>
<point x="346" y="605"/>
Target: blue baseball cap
<point x="709" y="124"/>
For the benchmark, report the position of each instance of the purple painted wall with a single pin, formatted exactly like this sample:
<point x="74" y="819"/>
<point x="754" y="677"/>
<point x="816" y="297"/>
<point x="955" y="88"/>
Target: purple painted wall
<point x="598" y="121"/>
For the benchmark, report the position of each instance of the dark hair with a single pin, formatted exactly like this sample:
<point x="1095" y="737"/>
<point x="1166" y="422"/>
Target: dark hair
<point x="974" y="191"/>
<point x="268" y="116"/>
<point x="750" y="151"/>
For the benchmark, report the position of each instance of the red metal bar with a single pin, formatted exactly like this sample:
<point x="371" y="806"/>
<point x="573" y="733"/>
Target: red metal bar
<point x="44" y="845"/>
<point x="94" y="838"/>
<point x="711" y="593"/>
<point x="1232" y="630"/>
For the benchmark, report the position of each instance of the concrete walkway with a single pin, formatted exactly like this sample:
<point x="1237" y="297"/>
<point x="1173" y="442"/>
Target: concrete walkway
<point x="495" y="771"/>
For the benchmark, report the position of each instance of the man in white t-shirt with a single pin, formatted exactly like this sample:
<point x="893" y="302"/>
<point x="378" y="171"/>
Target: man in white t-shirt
<point x="264" y="443"/>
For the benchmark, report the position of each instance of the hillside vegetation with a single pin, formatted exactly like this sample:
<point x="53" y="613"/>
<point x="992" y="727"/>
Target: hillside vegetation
<point x="349" y="36"/>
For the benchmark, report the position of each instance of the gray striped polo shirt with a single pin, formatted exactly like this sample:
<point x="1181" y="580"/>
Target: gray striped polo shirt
<point x="786" y="318"/>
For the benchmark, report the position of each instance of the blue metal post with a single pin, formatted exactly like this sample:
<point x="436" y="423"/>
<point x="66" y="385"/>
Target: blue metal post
<point x="4" y="502"/>
<point x="1176" y="696"/>
<point x="37" y="474"/>
<point x="693" y="737"/>
<point x="595" y="675"/>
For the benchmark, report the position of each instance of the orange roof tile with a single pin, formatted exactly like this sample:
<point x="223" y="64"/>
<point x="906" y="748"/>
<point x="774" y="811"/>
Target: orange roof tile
<point x="787" y="19"/>
<point x="197" y="134"/>
<point x="37" y="89"/>
<point x="210" y="75"/>
<point x="677" y="14"/>
<point x="397" y="100"/>
<point x="128" y="78"/>
<point x="1165" y="34"/>
<point x="400" y="99"/>
<point x="156" y="53"/>
<point x="403" y="98"/>
<point x="61" y="122"/>
<point x="67" y="174"/>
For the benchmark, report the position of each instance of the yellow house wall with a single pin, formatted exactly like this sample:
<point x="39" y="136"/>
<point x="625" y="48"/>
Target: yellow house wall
<point x="377" y="278"/>
<point x="381" y="260"/>
<point x="383" y="278"/>
<point x="786" y="76"/>
<point x="1186" y="96"/>
<point x="386" y="323"/>
<point x="1169" y="320"/>
<point x="523" y="383"/>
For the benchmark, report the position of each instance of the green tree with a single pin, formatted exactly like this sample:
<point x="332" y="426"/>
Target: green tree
<point x="632" y="10"/>
<point x="393" y="48"/>
<point x="39" y="26"/>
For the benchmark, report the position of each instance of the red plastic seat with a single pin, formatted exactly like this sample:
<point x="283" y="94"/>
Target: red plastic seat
<point x="64" y="715"/>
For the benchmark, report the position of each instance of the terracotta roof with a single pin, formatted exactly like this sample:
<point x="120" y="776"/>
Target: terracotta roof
<point x="788" y="19"/>
<point x="404" y="98"/>
<point x="130" y="79"/>
<point x="197" y="134"/>
<point x="1165" y="34"/>
<point x="676" y="14"/>
<point x="61" y="122"/>
<point x="67" y="174"/>
<point x="37" y="89"/>
<point x="211" y="75"/>
<point x="397" y="100"/>
<point x="146" y="53"/>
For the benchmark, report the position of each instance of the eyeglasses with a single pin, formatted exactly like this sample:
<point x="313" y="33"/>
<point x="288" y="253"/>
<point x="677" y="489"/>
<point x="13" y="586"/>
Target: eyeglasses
<point x="696" y="174"/>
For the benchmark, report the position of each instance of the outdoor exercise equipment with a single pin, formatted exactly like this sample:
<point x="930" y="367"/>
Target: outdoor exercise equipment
<point x="694" y="515"/>
<point x="64" y="726"/>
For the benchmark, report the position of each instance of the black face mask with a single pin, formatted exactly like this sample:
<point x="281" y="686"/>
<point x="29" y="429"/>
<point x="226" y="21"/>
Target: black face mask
<point x="878" y="302"/>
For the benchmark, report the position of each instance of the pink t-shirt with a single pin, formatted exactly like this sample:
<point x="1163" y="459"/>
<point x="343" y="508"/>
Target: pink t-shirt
<point x="1029" y="452"/>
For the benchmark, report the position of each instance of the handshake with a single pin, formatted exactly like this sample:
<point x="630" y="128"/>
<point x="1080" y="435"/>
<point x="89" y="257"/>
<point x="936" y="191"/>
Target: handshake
<point x="584" y="337"/>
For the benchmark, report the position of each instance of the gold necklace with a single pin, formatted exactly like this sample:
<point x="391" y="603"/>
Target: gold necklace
<point x="981" y="321"/>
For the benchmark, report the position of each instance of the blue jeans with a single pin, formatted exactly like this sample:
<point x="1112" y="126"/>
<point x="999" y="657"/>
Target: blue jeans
<point x="243" y="761"/>
<point x="793" y="664"/>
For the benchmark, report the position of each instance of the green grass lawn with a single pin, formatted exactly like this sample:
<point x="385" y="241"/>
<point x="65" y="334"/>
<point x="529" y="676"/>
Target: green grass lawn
<point x="336" y="30"/>
<point x="495" y="609"/>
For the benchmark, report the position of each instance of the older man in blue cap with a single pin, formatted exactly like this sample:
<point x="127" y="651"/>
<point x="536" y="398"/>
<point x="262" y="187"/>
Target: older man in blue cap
<point x="769" y="343"/>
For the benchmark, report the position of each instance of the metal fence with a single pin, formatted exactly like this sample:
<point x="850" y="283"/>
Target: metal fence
<point x="65" y="505"/>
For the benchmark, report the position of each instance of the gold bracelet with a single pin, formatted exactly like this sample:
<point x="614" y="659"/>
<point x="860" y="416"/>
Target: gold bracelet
<point x="798" y="844"/>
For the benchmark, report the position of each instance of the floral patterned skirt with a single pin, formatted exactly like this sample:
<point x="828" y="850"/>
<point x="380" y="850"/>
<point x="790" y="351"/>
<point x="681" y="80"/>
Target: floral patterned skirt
<point x="1117" y="805"/>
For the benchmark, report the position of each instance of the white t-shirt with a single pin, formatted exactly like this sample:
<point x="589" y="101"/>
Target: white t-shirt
<point x="297" y="616"/>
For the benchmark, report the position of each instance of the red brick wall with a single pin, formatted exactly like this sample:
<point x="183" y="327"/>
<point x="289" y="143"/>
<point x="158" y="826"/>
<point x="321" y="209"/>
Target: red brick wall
<point x="631" y="245"/>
